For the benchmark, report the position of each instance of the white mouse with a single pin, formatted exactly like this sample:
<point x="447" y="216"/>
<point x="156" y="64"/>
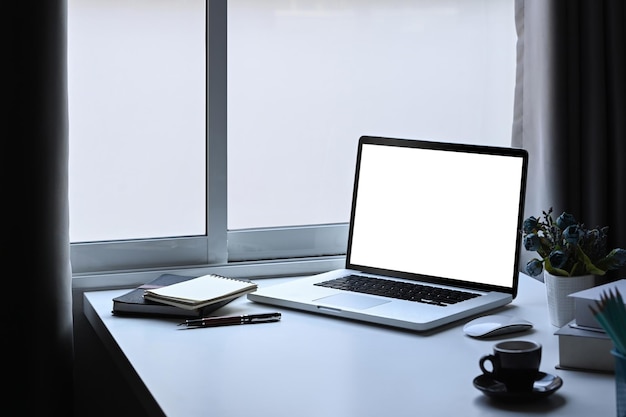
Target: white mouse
<point x="495" y="325"/>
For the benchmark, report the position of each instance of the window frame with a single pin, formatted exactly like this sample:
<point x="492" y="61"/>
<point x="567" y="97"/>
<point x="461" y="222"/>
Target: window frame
<point x="271" y="251"/>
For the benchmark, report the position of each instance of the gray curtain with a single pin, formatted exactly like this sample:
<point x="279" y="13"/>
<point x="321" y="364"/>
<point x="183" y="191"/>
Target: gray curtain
<point x="570" y="110"/>
<point x="36" y="149"/>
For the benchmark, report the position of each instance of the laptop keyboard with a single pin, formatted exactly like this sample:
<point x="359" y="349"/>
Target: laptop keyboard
<point x="400" y="290"/>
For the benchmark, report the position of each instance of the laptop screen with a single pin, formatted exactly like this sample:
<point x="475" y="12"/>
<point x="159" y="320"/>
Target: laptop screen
<point x="447" y="213"/>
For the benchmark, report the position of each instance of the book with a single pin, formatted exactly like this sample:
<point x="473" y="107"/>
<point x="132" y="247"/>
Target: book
<point x="586" y="298"/>
<point x="200" y="292"/>
<point x="133" y="303"/>
<point x="584" y="350"/>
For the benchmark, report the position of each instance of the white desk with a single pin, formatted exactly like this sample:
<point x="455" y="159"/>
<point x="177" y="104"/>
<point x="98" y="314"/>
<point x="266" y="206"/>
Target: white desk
<point x="309" y="365"/>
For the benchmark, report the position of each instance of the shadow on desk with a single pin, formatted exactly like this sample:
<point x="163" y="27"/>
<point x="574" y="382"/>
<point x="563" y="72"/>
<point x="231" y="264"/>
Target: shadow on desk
<point x="542" y="406"/>
<point x="508" y="309"/>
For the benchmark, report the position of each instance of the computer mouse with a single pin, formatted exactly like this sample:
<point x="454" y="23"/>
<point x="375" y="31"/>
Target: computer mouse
<point x="496" y="325"/>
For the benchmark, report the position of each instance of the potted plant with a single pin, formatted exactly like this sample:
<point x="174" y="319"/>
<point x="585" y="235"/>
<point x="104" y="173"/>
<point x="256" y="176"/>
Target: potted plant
<point x="571" y="256"/>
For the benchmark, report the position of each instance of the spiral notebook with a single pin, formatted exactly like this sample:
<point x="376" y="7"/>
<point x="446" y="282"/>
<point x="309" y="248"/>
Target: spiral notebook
<point x="444" y="216"/>
<point x="201" y="291"/>
<point x="133" y="303"/>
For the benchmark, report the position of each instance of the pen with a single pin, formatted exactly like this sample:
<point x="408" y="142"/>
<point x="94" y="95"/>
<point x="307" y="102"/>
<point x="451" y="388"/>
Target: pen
<point x="230" y="320"/>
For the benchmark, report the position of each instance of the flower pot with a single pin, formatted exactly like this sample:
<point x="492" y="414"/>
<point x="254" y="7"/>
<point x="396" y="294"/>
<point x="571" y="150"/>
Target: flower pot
<point x="560" y="306"/>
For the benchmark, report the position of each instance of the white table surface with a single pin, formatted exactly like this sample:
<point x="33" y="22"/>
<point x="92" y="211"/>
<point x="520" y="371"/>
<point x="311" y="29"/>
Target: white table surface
<point x="310" y="365"/>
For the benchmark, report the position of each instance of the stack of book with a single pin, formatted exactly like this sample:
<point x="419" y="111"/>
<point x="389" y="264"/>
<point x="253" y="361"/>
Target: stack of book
<point x="583" y="343"/>
<point x="172" y="295"/>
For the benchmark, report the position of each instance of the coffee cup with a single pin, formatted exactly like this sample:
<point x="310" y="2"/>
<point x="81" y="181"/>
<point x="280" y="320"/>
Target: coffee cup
<point x="514" y="363"/>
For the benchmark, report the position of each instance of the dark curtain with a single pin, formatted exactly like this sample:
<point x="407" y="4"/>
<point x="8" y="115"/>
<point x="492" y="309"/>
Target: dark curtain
<point x="570" y="110"/>
<point x="35" y="155"/>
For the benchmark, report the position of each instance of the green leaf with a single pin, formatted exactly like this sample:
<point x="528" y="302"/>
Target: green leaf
<point x="589" y="266"/>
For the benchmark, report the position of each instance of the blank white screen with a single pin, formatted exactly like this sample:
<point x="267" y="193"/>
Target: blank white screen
<point x="438" y="213"/>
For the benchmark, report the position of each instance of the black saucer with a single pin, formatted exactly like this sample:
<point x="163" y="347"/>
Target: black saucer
<point x="545" y="385"/>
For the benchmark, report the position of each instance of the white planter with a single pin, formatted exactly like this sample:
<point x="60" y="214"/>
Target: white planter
<point x="560" y="306"/>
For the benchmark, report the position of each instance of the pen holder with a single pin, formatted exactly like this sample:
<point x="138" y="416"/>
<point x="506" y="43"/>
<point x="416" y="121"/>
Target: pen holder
<point x="620" y="383"/>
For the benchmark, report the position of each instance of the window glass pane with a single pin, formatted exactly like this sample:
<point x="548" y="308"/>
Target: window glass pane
<point x="136" y="75"/>
<point x="306" y="78"/>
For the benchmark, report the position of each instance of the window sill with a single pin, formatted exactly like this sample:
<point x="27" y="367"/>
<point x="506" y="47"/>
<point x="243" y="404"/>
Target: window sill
<point x="254" y="270"/>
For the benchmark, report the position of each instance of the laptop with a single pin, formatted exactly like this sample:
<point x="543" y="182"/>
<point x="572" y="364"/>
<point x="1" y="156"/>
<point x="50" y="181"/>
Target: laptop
<point x="438" y="224"/>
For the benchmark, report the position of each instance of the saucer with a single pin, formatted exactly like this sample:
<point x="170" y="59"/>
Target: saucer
<point x="545" y="385"/>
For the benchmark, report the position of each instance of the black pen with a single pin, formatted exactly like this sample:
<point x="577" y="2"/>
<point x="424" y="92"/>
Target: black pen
<point x="230" y="320"/>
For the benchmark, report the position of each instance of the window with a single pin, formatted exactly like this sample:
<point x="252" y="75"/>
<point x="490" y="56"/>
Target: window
<point x="269" y="175"/>
<point x="137" y="74"/>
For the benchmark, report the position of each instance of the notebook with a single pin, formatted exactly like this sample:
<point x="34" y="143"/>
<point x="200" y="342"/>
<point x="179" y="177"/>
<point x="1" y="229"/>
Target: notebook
<point x="442" y="215"/>
<point x="200" y="292"/>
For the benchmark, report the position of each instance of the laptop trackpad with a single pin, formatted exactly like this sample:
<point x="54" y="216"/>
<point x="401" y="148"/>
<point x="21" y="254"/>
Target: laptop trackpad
<point x="354" y="301"/>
